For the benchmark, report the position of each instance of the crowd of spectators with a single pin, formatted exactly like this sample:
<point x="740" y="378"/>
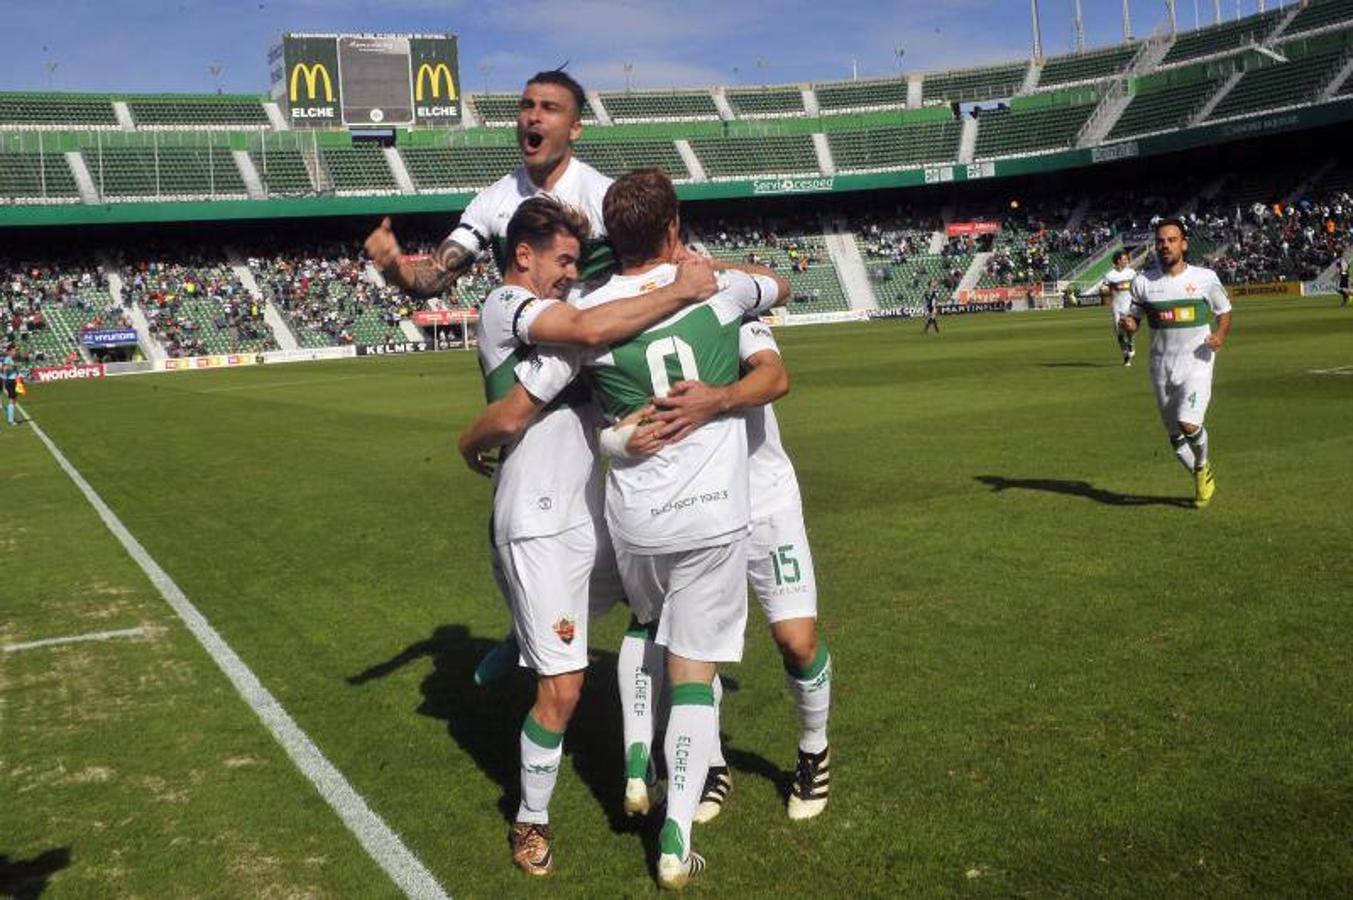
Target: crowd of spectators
<point x="33" y="291"/>
<point x="1280" y="242"/>
<point x="186" y="296"/>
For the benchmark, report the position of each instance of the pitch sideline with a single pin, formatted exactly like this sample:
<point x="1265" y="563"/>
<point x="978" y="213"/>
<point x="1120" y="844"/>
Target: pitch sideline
<point x="378" y="839"/>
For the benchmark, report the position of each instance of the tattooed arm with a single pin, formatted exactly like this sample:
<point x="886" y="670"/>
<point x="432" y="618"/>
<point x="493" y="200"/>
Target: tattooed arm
<point x="422" y="277"/>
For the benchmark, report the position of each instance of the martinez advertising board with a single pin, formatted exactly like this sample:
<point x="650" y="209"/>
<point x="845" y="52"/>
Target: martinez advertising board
<point x="369" y="80"/>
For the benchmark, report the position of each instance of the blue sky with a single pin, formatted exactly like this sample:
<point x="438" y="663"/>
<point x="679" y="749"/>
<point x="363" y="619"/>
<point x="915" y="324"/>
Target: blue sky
<point x="147" y="45"/>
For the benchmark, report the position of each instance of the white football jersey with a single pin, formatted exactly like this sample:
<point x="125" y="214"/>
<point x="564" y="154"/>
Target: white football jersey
<point x="1120" y="289"/>
<point x="548" y="481"/>
<point x="1178" y="307"/>
<point x="774" y="485"/>
<point x="483" y="225"/>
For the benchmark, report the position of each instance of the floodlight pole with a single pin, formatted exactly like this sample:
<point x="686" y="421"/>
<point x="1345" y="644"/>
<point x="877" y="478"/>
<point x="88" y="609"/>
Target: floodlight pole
<point x="1216" y="12"/>
<point x="1127" y="22"/>
<point x="1079" y="25"/>
<point x="1169" y="6"/>
<point x="1038" y="33"/>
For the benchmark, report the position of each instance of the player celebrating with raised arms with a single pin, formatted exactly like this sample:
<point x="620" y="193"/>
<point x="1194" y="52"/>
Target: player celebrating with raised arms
<point x="547" y="489"/>
<point x="1178" y="299"/>
<point x="1118" y="281"/>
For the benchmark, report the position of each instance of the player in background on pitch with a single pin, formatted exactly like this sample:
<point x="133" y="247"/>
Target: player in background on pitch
<point x="549" y="121"/>
<point x="932" y="302"/>
<point x="1344" y="290"/>
<point x="547" y="490"/>
<point x="9" y="375"/>
<point x="780" y="561"/>
<point x="1118" y="282"/>
<point x="1178" y="299"/>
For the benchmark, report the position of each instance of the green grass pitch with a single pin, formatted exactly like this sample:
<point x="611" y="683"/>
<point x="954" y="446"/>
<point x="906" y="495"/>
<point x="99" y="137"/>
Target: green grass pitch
<point x="1051" y="678"/>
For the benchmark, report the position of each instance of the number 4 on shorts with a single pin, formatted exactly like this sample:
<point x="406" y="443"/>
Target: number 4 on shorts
<point x="786" y="566"/>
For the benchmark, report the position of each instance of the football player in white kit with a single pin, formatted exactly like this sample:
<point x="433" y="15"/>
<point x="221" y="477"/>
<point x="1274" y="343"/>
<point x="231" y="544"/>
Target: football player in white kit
<point x="1118" y="281"/>
<point x="547" y="489"/>
<point x="1178" y="299"/>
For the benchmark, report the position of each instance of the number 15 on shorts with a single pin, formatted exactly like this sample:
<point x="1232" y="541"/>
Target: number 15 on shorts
<point x="786" y="566"/>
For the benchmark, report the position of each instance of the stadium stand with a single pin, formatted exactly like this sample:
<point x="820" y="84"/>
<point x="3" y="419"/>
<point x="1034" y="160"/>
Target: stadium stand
<point x="1320" y="14"/>
<point x="57" y="111"/>
<point x="283" y="172"/>
<point x="733" y="157"/>
<point x="36" y="176"/>
<point x="461" y="167"/>
<point x="1002" y="132"/>
<point x="615" y="158"/>
<point x="198" y="112"/>
<point x="895" y="249"/>
<point x="655" y="106"/>
<point x="975" y="84"/>
<point x="358" y="169"/>
<point x="1088" y="66"/>
<point x="46" y="303"/>
<point x="1164" y="108"/>
<point x="121" y="172"/>
<point x="193" y="304"/>
<point x="323" y="292"/>
<point x="766" y="101"/>
<point x="1284" y="84"/>
<point x="845" y="96"/>
<point x="894" y="146"/>
<point x="1222" y="38"/>
<point x="796" y="250"/>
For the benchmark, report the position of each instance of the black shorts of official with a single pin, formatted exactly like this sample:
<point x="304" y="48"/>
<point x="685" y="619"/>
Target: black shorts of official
<point x="12" y="390"/>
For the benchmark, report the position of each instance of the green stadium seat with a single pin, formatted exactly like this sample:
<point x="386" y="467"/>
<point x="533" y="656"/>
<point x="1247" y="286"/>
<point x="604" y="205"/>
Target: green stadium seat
<point x="1221" y="38"/>
<point x="359" y="170"/>
<point x="615" y="158"/>
<point x="732" y="157"/>
<point x="842" y="96"/>
<point x="767" y="101"/>
<point x="36" y="176"/>
<point x="1283" y="84"/>
<point x="1163" y="109"/>
<point x="198" y="112"/>
<point x="1320" y="14"/>
<point x="1088" y="66"/>
<point x="501" y="109"/>
<point x="650" y="106"/>
<point x="460" y="168"/>
<point x="816" y="286"/>
<point x="1008" y="131"/>
<point x="64" y="110"/>
<point x="975" y="84"/>
<point x="894" y="146"/>
<point x="283" y="172"/>
<point x="164" y="172"/>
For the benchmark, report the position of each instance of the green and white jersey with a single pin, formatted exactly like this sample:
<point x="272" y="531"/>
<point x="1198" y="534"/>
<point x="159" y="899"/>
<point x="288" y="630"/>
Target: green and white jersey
<point x="1178" y="307"/>
<point x="1120" y="289"/>
<point x="774" y="485"/>
<point x="693" y="493"/>
<point x="483" y="225"/>
<point x="548" y="481"/>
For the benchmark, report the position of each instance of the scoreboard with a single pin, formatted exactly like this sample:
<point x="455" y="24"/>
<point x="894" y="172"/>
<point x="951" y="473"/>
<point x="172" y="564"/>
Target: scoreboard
<point x="367" y="80"/>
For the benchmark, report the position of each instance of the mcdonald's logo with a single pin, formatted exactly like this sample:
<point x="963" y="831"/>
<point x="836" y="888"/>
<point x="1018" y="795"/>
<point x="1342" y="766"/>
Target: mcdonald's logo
<point x="312" y="74"/>
<point x="434" y="76"/>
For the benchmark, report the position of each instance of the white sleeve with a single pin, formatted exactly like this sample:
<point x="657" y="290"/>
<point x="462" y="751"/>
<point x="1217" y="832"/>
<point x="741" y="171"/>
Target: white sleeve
<point x="753" y="337"/>
<point x="472" y="231"/>
<point x="547" y="371"/>
<point x="1217" y="299"/>
<point x="526" y="315"/>
<point x="1138" y="307"/>
<point x="754" y="294"/>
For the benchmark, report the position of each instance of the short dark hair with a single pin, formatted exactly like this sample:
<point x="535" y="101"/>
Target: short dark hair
<point x="637" y="210"/>
<point x="538" y="220"/>
<point x="1121" y="253"/>
<point x="564" y="80"/>
<point x="1176" y="222"/>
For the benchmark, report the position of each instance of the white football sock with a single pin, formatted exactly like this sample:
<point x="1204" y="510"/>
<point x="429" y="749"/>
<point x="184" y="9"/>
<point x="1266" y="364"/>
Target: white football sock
<point x="690" y="735"/>
<point x="541" y="752"/>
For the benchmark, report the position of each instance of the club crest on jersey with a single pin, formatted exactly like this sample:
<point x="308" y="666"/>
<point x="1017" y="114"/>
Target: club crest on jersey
<point x="565" y="629"/>
<point x="1190" y="288"/>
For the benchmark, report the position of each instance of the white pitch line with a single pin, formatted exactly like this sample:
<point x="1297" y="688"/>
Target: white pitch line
<point x="379" y="841"/>
<point x="1337" y="370"/>
<point x="75" y="639"/>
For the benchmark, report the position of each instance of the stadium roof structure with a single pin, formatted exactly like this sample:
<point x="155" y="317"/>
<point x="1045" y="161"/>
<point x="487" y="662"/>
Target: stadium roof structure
<point x="88" y="158"/>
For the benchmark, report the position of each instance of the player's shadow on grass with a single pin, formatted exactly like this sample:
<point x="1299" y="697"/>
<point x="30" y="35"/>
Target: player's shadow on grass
<point x="1084" y="489"/>
<point x="24" y="879"/>
<point x="486" y="722"/>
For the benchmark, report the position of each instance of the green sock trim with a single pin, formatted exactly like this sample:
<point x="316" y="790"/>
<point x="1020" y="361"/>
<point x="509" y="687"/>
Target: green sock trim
<point x="1195" y="438"/>
<point x="636" y="761"/>
<point x="814" y="668"/>
<point x="640" y="630"/>
<point x="693" y="693"/>
<point x="540" y="735"/>
<point x="1178" y="440"/>
<point x="670" y="840"/>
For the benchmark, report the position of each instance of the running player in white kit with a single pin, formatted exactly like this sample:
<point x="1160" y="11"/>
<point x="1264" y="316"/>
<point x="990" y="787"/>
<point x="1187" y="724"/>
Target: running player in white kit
<point x="547" y="489"/>
<point x="1178" y="299"/>
<point x="1119" y="284"/>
